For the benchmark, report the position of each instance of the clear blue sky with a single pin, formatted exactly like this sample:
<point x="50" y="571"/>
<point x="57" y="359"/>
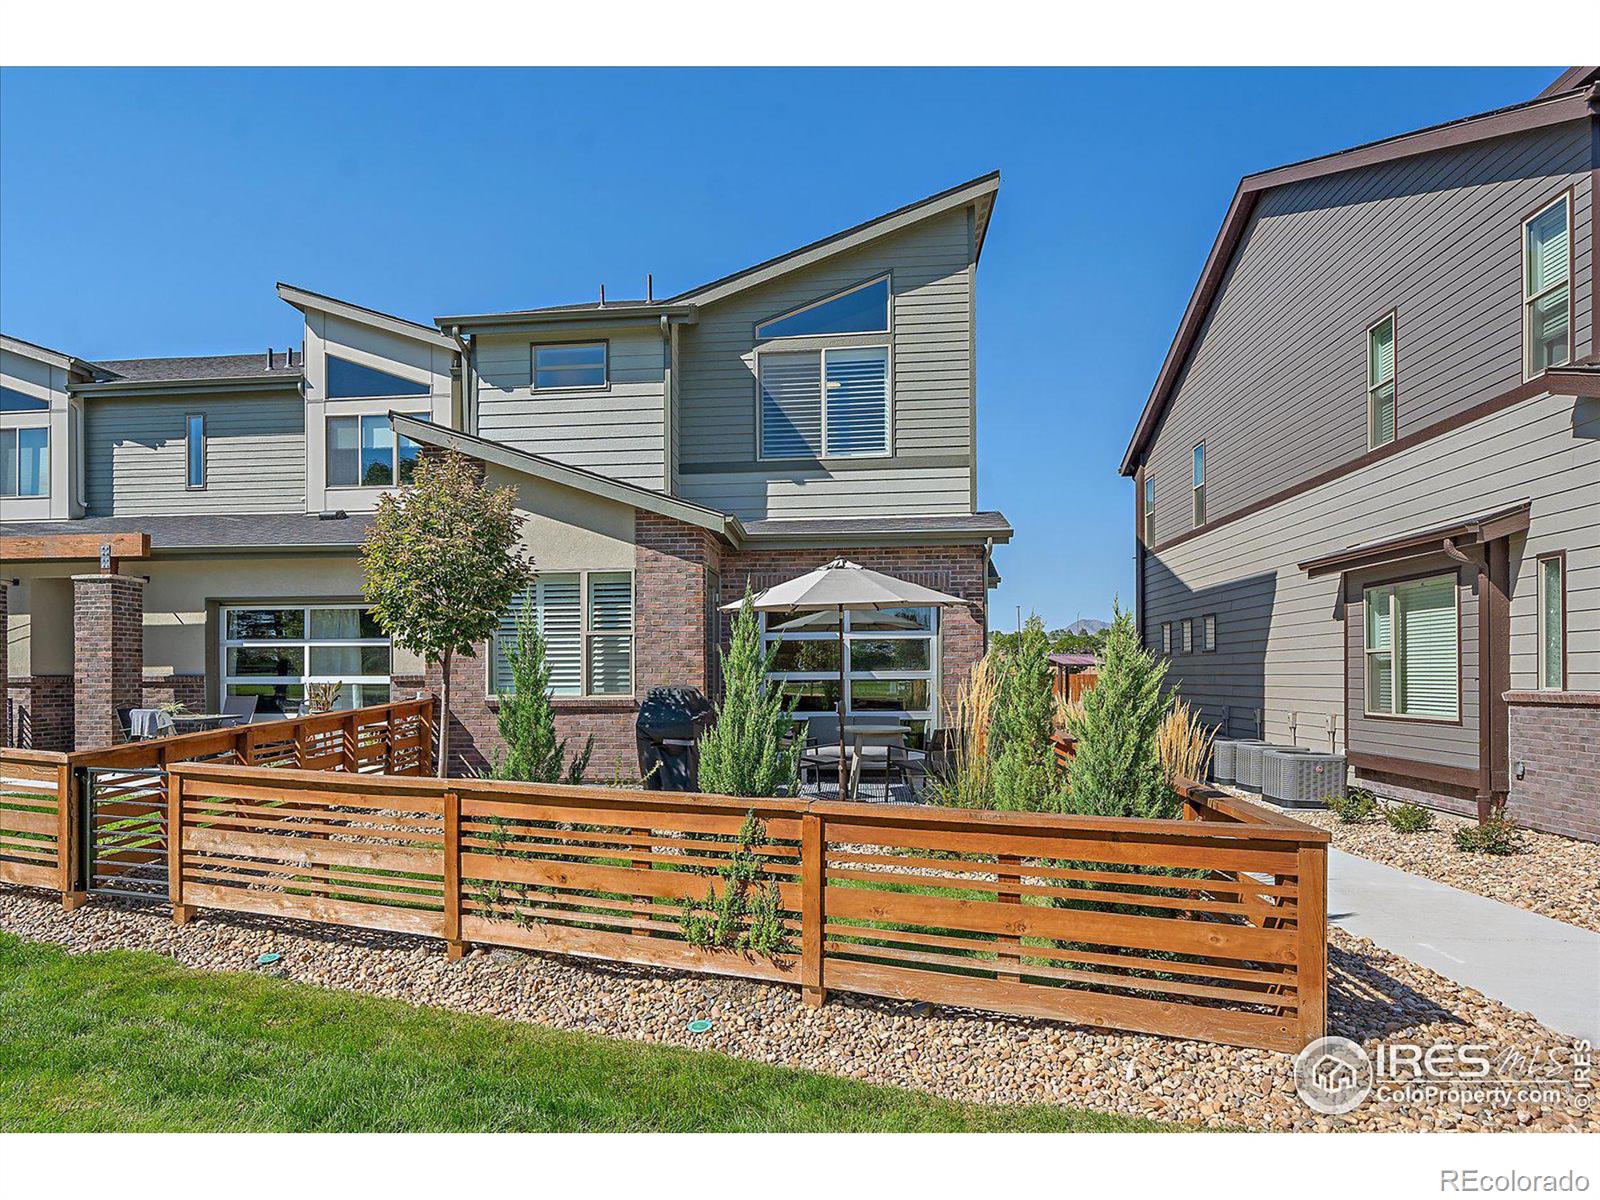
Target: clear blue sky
<point x="150" y="212"/>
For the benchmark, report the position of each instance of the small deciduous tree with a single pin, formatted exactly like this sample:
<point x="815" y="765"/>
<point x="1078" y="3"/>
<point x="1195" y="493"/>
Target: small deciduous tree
<point x="527" y="719"/>
<point x="1116" y="767"/>
<point x="442" y="561"/>
<point x="743" y="753"/>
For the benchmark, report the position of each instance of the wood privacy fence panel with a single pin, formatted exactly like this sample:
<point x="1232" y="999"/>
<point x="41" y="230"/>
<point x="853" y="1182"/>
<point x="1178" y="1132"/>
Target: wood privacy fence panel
<point x="35" y="819"/>
<point x="1212" y="927"/>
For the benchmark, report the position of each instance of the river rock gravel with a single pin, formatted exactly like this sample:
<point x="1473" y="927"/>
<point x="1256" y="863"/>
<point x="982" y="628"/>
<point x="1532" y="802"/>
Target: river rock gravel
<point x="954" y="1053"/>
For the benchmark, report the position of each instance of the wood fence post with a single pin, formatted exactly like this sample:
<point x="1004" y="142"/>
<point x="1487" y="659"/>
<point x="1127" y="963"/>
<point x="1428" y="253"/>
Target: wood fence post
<point x="643" y="906"/>
<point x="68" y="818"/>
<point x="182" y="913"/>
<point x="1009" y="965"/>
<point x="454" y="946"/>
<point x="813" y="909"/>
<point x="1311" y="957"/>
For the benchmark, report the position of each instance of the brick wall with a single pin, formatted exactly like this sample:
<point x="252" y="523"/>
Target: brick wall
<point x="40" y="712"/>
<point x="1556" y="736"/>
<point x="188" y="690"/>
<point x="1406" y="789"/>
<point x="108" y="655"/>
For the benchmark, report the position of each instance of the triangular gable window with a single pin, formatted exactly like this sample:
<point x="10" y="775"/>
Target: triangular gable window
<point x="348" y="380"/>
<point x="864" y="309"/>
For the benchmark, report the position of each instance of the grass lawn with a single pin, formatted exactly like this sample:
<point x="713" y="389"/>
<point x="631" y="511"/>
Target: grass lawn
<point x="131" y="1041"/>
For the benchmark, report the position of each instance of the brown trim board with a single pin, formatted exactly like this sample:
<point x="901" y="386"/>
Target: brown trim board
<point x="1463" y="777"/>
<point x="1439" y="539"/>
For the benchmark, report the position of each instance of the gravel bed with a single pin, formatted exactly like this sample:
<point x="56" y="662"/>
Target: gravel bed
<point x="1557" y="876"/>
<point x="953" y="1053"/>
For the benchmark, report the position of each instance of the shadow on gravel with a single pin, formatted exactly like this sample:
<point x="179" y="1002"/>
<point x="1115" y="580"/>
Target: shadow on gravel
<point x="1364" y="1001"/>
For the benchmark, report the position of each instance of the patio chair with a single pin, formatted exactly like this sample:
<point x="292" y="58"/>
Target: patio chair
<point x="125" y="722"/>
<point x="889" y="758"/>
<point x="241" y="710"/>
<point x="821" y="754"/>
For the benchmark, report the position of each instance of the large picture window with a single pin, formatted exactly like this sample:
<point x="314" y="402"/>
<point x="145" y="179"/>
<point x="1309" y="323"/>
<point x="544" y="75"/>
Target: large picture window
<point x="365" y="451"/>
<point x="831" y="403"/>
<point x="586" y="621"/>
<point x="272" y="653"/>
<point x="891" y="661"/>
<point x="1412" y="644"/>
<point x="352" y="381"/>
<point x="25" y="462"/>
<point x="863" y="309"/>
<point x="1547" y="287"/>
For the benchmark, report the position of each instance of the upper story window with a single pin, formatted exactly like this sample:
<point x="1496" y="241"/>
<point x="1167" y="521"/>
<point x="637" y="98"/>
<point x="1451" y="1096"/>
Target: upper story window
<point x="194" y="450"/>
<point x="1412" y="643"/>
<point x="1200" y="485"/>
<point x="831" y="403"/>
<point x="25" y="462"/>
<point x="568" y="365"/>
<point x="364" y="451"/>
<point x="1166" y="637"/>
<point x="1547" y="287"/>
<point x="1380" y="383"/>
<point x="1149" y="511"/>
<point x="351" y="381"/>
<point x="14" y="400"/>
<point x="863" y="309"/>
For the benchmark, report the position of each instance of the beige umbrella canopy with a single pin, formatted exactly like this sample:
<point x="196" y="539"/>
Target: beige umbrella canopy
<point x="835" y="587"/>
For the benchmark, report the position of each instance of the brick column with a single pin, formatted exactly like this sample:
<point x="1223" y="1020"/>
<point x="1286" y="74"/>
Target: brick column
<point x="672" y="601"/>
<point x="107" y="656"/>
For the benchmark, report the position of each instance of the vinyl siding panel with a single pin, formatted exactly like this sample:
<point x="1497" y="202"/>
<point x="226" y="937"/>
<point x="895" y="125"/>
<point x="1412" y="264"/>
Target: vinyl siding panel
<point x="1280" y="636"/>
<point x="617" y="431"/>
<point x="931" y="382"/>
<point x="255" y="455"/>
<point x="1276" y="384"/>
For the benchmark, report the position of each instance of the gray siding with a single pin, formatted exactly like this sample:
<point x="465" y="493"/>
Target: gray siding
<point x="1280" y="635"/>
<point x="931" y="362"/>
<point x="255" y="455"/>
<point x="617" y="431"/>
<point x="1276" y="382"/>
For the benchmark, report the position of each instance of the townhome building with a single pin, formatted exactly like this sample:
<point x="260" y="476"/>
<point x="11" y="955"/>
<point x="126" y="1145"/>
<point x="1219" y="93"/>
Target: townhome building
<point x="1367" y="479"/>
<point x="189" y="529"/>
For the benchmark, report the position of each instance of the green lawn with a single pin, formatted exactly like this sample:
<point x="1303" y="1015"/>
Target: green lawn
<point x="130" y="1041"/>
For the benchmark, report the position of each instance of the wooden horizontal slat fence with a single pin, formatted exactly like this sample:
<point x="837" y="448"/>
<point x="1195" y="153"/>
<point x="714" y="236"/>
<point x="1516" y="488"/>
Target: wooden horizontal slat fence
<point x="36" y="819"/>
<point x="1210" y="927"/>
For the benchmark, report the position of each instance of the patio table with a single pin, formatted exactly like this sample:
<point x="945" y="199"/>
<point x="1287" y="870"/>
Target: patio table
<point x="199" y="722"/>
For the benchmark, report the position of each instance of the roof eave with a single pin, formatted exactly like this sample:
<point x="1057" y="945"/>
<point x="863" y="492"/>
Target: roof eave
<point x="167" y="387"/>
<point x="511" y="322"/>
<point x="305" y="300"/>
<point x="1472" y="531"/>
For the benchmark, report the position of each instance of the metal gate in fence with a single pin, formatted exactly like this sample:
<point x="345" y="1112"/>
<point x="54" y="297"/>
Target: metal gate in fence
<point x="125" y="828"/>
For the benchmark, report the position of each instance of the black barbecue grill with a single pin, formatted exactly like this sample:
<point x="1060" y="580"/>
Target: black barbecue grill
<point x="671" y="721"/>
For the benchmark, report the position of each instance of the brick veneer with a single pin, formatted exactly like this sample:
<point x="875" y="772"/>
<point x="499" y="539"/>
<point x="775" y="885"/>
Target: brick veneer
<point x="1406" y="789"/>
<point x="108" y="655"/>
<point x="1556" y="736"/>
<point x="187" y="690"/>
<point x="41" y="712"/>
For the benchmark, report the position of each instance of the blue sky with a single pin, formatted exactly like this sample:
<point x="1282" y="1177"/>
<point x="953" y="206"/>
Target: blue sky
<point x="150" y="212"/>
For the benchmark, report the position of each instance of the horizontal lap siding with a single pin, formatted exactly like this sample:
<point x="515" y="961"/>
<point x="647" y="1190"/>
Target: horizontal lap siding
<point x="932" y="386"/>
<point x="1279" y="641"/>
<point x="255" y="455"/>
<point x="618" y="431"/>
<point x="1276" y="383"/>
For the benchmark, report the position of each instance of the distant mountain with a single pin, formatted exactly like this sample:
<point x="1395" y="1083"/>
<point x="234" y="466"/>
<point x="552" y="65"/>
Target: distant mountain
<point x="1086" y="627"/>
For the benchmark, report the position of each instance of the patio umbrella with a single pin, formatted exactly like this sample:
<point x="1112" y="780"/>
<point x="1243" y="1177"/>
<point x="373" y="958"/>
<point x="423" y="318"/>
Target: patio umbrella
<point x="839" y="586"/>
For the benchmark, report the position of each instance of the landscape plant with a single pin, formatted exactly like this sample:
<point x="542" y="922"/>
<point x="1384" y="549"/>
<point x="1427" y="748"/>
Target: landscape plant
<point x="442" y="561"/>
<point x="1022" y="770"/>
<point x="1355" y="807"/>
<point x="747" y="914"/>
<point x="750" y="750"/>
<point x="1496" y="834"/>
<point x="1408" y="818"/>
<point x="963" y="781"/>
<point x="527" y="719"/>
<point x="1183" y="744"/>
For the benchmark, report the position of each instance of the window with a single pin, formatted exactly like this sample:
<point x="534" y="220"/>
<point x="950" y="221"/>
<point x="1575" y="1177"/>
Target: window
<point x="1208" y="633"/>
<point x="586" y="621"/>
<point x="1547" y="287"/>
<point x="352" y="381"/>
<point x="13" y="400"/>
<point x="272" y="653"/>
<point x="1149" y="511"/>
<point x="570" y="365"/>
<point x="366" y="452"/>
<point x="824" y="403"/>
<point x="890" y="661"/>
<point x="863" y="309"/>
<point x="1166" y="637"/>
<point x="25" y="462"/>
<point x="1380" y="383"/>
<point x="194" y="450"/>
<point x="1412" y="645"/>
<point x="1553" y="623"/>
<point x="1186" y="643"/>
<point x="1200" y="485"/>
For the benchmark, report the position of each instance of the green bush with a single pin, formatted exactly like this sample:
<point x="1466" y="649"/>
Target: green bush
<point x="527" y="720"/>
<point x="1355" y="806"/>
<point x="1495" y="834"/>
<point x="1022" y="772"/>
<point x="744" y="753"/>
<point x="1408" y="818"/>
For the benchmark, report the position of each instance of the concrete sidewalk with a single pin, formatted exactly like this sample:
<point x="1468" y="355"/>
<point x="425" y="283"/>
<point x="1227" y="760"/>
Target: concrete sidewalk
<point x="1526" y="961"/>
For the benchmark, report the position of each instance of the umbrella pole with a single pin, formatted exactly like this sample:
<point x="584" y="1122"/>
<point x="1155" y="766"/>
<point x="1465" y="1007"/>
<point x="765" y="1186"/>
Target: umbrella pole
<point x="841" y="702"/>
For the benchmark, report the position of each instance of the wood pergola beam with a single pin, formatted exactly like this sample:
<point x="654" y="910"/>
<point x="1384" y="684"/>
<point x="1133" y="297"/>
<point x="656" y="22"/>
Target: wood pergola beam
<point x="63" y="547"/>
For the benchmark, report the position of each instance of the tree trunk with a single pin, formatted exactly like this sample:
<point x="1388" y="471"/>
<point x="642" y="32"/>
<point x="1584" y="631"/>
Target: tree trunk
<point x="444" y="716"/>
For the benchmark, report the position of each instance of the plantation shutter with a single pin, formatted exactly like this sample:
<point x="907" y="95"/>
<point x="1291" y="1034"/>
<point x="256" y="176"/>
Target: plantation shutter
<point x="611" y="634"/>
<point x="858" y="401"/>
<point x="791" y="405"/>
<point x="561" y="627"/>
<point x="1425" y="613"/>
<point x="505" y="641"/>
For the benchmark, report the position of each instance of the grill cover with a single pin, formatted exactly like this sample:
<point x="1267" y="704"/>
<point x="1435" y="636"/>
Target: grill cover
<point x="671" y="721"/>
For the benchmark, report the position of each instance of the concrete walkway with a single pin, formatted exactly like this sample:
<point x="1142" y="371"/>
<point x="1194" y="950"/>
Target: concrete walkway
<point x="1526" y="961"/>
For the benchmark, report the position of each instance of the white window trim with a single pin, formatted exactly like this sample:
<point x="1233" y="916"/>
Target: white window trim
<point x="582" y="574"/>
<point x="887" y="276"/>
<point x="1394" y="650"/>
<point x="533" y="365"/>
<point x="1528" y="301"/>
<point x="933" y="636"/>
<point x="394" y="450"/>
<point x="1393" y="382"/>
<point x="822" y="399"/>
<point x="224" y="679"/>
